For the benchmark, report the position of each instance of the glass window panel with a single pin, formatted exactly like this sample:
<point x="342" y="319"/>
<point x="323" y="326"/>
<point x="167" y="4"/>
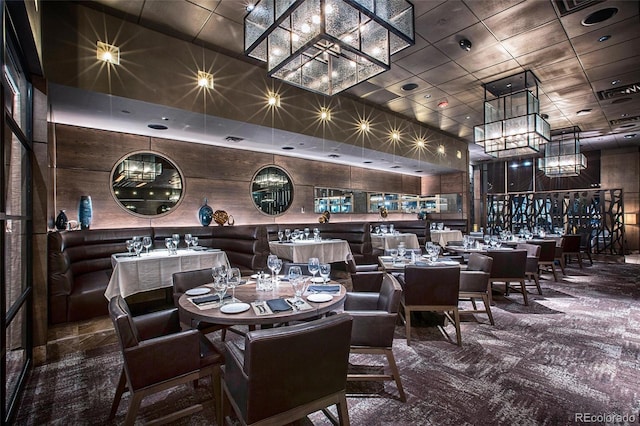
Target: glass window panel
<point x="16" y="353"/>
<point x="16" y="95"/>
<point x="16" y="167"/>
<point x="15" y="255"/>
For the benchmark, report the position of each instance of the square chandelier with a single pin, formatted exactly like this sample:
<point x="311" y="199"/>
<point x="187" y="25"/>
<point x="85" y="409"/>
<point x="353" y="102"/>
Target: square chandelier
<point x="327" y="46"/>
<point x="141" y="168"/>
<point x="512" y="122"/>
<point x="562" y="156"/>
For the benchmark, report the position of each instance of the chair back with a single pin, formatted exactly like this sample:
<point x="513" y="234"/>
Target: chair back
<point x="303" y="266"/>
<point x="479" y="262"/>
<point x="431" y="285"/>
<point x="390" y="294"/>
<point x="123" y="322"/>
<point x="547" y="250"/>
<point x="316" y="356"/>
<point x="571" y="243"/>
<point x="508" y="263"/>
<point x="183" y="281"/>
<point x="533" y="250"/>
<point x="351" y="264"/>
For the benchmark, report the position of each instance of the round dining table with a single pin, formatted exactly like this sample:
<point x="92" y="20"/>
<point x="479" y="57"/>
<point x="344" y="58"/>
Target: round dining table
<point x="247" y="293"/>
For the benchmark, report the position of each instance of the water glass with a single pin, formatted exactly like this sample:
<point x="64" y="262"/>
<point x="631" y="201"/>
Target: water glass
<point x="280" y="235"/>
<point x="129" y="245"/>
<point x="137" y="247"/>
<point x="187" y="240"/>
<point x="263" y="282"/>
<point x="220" y="287"/>
<point x="306" y="233"/>
<point x="171" y="245"/>
<point x="287" y="234"/>
<point x="394" y="254"/>
<point x="176" y="239"/>
<point x="316" y="234"/>
<point x="314" y="266"/>
<point x="272" y="264"/>
<point x="325" y="271"/>
<point x="194" y="242"/>
<point x="295" y="273"/>
<point x="391" y="229"/>
<point x="402" y="250"/>
<point x="233" y="280"/>
<point x="146" y="242"/>
<point x="299" y="285"/>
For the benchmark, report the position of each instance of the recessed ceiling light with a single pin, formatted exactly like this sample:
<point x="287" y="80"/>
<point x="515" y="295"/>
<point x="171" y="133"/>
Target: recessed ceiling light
<point x="157" y="126"/>
<point x="620" y="101"/>
<point x="367" y="162"/>
<point x="108" y="53"/>
<point x="417" y="171"/>
<point x="124" y="111"/>
<point x="427" y="96"/>
<point x="205" y="80"/>
<point x="165" y="118"/>
<point x="584" y="112"/>
<point x="333" y="156"/>
<point x="465" y="44"/>
<point x="604" y="38"/>
<point x="545" y="116"/>
<point x="288" y="148"/>
<point x="630" y="136"/>
<point x="250" y="7"/>
<point x="614" y="82"/>
<point x="599" y="16"/>
<point x="395" y="167"/>
<point x="409" y="87"/>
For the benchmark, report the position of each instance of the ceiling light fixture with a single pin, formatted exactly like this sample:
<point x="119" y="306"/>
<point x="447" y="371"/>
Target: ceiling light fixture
<point x="443" y="104"/>
<point x="512" y="122"/>
<point x="108" y="53"/>
<point x="465" y="45"/>
<point x="441" y="149"/>
<point x="205" y="80"/>
<point x="562" y="156"/>
<point x="330" y="45"/>
<point x="604" y="38"/>
<point x="364" y="126"/>
<point x="395" y="135"/>
<point x="583" y="112"/>
<point x="325" y="114"/>
<point x="273" y="99"/>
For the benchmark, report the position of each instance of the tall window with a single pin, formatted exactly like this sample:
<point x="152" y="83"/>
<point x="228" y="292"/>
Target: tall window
<point x="15" y="220"/>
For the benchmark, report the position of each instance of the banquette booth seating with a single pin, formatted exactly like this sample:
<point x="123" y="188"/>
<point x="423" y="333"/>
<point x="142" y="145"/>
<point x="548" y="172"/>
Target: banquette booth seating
<point x="79" y="262"/>
<point x="418" y="227"/>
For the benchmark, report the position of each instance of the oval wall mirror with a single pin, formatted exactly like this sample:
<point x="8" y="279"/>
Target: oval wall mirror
<point x="147" y="184"/>
<point x="272" y="190"/>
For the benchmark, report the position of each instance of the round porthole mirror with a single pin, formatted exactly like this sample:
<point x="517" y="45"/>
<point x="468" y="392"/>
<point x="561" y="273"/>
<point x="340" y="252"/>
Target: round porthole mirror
<point x="272" y="190"/>
<point x="147" y="184"/>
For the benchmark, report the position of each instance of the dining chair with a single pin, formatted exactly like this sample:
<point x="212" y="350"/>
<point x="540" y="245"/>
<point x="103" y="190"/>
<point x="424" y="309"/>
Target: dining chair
<point x="547" y="258"/>
<point x="533" y="260"/>
<point x="285" y="373"/>
<point x="158" y="356"/>
<point x="585" y="244"/>
<point x="364" y="278"/>
<point x="509" y="266"/>
<point x="571" y="247"/>
<point x="374" y="323"/>
<point x="303" y="266"/>
<point x="474" y="284"/>
<point x="430" y="288"/>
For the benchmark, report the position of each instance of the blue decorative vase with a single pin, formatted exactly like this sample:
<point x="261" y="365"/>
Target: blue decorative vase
<point x="205" y="214"/>
<point x="61" y="221"/>
<point x="85" y="212"/>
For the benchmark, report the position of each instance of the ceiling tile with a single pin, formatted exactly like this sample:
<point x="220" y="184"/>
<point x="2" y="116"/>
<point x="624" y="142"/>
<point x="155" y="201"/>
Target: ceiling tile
<point x="572" y="22"/>
<point x="564" y="69"/>
<point x="460" y="85"/>
<point x="421" y="7"/>
<point x="521" y="18"/>
<point x="223" y="32"/>
<point x="210" y="5"/>
<point x="417" y="93"/>
<point x="477" y="34"/>
<point x="380" y="96"/>
<point x="484" y="9"/>
<point x="619" y="32"/>
<point x="232" y="9"/>
<point x="613" y="53"/>
<point x="363" y="89"/>
<point x="547" y="55"/>
<point x="422" y="60"/>
<point x="484" y="58"/>
<point x="443" y="73"/>
<point x="391" y="77"/>
<point x="498" y="71"/>
<point x="547" y="35"/>
<point x="180" y="17"/>
<point x="627" y="67"/>
<point x="444" y="20"/>
<point x="130" y="7"/>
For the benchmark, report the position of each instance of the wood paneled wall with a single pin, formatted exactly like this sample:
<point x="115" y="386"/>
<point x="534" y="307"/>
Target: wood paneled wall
<point x="85" y="158"/>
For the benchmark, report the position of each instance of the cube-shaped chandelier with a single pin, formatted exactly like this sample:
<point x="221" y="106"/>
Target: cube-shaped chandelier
<point x="327" y="46"/>
<point x="562" y="156"/>
<point x="512" y="122"/>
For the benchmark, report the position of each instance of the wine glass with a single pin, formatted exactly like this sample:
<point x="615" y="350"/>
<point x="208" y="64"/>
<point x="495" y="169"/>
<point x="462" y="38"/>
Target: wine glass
<point x="402" y="250"/>
<point x="316" y="234"/>
<point x="168" y="242"/>
<point x="487" y="239"/>
<point x="295" y="273"/>
<point x="287" y="234"/>
<point x="314" y="266"/>
<point x="194" y="242"/>
<point x="187" y="240"/>
<point x="278" y="267"/>
<point x="129" y="245"/>
<point x="280" y="236"/>
<point x="394" y="254"/>
<point x="146" y="242"/>
<point x="220" y="287"/>
<point x="176" y="239"/>
<point x="325" y="271"/>
<point x="306" y="233"/>
<point x="137" y="247"/>
<point x="299" y="286"/>
<point x="272" y="263"/>
<point x="233" y="280"/>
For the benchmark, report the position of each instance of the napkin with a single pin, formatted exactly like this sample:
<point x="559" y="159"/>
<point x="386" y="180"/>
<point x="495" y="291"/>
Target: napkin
<point x="278" y="305"/>
<point x="323" y="289"/>
<point x="207" y="299"/>
<point x="125" y="255"/>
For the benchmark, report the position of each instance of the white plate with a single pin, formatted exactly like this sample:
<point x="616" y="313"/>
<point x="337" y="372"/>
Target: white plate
<point x="234" y="308"/>
<point x="398" y="265"/>
<point x="317" y="280"/>
<point x="386" y="258"/>
<point x="319" y="297"/>
<point x="450" y="262"/>
<point x="254" y="276"/>
<point x="197" y="291"/>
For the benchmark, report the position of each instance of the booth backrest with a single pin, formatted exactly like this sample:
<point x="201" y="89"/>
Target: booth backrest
<point x="418" y="227"/>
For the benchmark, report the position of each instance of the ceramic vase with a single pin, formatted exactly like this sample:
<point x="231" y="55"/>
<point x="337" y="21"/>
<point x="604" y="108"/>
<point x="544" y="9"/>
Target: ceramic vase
<point x="205" y="214"/>
<point x="85" y="212"/>
<point x="61" y="221"/>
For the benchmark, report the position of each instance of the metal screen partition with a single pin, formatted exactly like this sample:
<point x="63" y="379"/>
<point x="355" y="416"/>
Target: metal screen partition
<point x="598" y="215"/>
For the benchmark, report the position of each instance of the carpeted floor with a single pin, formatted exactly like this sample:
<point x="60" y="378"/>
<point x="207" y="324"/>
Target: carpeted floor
<point x="575" y="349"/>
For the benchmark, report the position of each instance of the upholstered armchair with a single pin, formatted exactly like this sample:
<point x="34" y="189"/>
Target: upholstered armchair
<point x="571" y="247"/>
<point x="547" y="258"/>
<point x="285" y="373"/>
<point x="374" y="322"/>
<point x="533" y="262"/>
<point x="364" y="278"/>
<point x="509" y="266"/>
<point x="158" y="356"/>
<point x="474" y="284"/>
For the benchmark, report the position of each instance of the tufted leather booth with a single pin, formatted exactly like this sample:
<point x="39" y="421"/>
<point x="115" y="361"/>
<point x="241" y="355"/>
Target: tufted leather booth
<point x="79" y="262"/>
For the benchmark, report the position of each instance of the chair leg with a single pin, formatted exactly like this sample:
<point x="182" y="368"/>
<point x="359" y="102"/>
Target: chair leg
<point x="473" y="303"/>
<point x="487" y="307"/>
<point x="580" y="260"/>
<point x="407" y="321"/>
<point x="523" y="286"/>
<point x="456" y="316"/>
<point x="134" y="405"/>
<point x="216" y="385"/>
<point x="553" y="268"/>
<point x="122" y="383"/>
<point x="536" y="278"/>
<point x="343" y="411"/>
<point x="562" y="265"/>
<point x="395" y="372"/>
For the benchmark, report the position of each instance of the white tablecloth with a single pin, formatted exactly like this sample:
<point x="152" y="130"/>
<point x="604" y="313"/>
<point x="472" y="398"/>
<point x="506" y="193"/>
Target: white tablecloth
<point x="155" y="270"/>
<point x="327" y="251"/>
<point x="442" y="237"/>
<point x="389" y="241"/>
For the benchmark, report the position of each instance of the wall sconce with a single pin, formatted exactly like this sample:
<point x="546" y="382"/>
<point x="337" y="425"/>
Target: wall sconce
<point x="205" y="80"/>
<point x="325" y="114"/>
<point x="363" y="126"/>
<point x="108" y="53"/>
<point x="273" y="99"/>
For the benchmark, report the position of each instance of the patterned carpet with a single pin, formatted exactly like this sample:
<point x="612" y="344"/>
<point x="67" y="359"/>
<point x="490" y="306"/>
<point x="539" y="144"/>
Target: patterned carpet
<point x="574" y="350"/>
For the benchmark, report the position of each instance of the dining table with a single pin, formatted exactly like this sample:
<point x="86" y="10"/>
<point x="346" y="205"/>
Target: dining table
<point x="256" y="307"/>
<point x="389" y="241"/>
<point x="442" y="237"/>
<point x="389" y="264"/>
<point x="299" y="251"/>
<point x="154" y="270"/>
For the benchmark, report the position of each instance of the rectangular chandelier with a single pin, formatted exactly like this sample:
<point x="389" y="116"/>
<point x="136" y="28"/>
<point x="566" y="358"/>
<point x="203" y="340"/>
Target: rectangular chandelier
<point x="139" y="168"/>
<point x="327" y="46"/>
<point x="562" y="156"/>
<point x="512" y="122"/>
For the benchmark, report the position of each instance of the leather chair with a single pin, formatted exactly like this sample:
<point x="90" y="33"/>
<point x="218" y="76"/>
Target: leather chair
<point x="374" y="323"/>
<point x="183" y="281"/>
<point x="547" y="257"/>
<point x="364" y="278"/>
<point x="571" y="247"/>
<point x="303" y="266"/>
<point x="158" y="356"/>
<point x="431" y="288"/>
<point x="533" y="259"/>
<point x="474" y="284"/>
<point x="509" y="266"/>
<point x="585" y="244"/>
<point x="285" y="373"/>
